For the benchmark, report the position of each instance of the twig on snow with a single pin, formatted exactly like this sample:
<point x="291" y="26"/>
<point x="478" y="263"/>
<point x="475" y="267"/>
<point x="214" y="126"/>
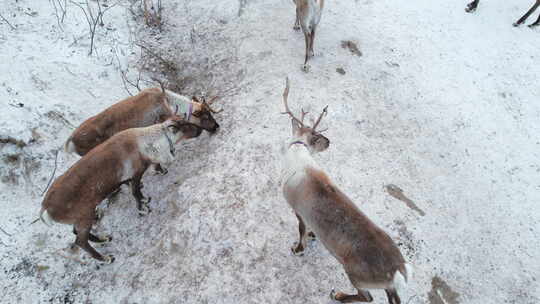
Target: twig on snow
<point x="6" y="21"/>
<point x="92" y="19"/>
<point x="54" y="171"/>
<point x="5" y="232"/>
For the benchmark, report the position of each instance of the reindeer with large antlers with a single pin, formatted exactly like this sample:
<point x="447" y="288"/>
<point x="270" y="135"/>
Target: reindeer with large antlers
<point x="370" y="258"/>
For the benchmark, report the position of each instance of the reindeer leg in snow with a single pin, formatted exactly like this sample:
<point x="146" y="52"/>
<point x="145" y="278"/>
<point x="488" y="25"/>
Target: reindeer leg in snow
<point x="536" y="23"/>
<point x="362" y="296"/>
<point x="160" y="170"/>
<point x="298" y="247"/>
<point x="296" y="26"/>
<point x="82" y="241"/>
<point x="142" y="202"/>
<point x="307" y="39"/>
<point x="528" y="13"/>
<point x="95" y="239"/>
<point x="471" y="7"/>
<point x="312" y="40"/>
<point x="393" y="297"/>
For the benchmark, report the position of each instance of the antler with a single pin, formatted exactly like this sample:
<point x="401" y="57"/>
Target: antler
<point x="303" y="115"/>
<point x="287" y="111"/>
<point x="324" y="112"/>
<point x="207" y="104"/>
<point x="212" y="100"/>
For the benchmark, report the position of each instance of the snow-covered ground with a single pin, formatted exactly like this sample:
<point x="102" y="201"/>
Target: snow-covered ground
<point x="442" y="104"/>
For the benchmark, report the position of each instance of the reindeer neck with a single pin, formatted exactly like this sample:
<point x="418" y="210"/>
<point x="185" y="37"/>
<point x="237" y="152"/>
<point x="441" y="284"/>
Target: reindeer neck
<point x="184" y="104"/>
<point x="154" y="144"/>
<point x="296" y="160"/>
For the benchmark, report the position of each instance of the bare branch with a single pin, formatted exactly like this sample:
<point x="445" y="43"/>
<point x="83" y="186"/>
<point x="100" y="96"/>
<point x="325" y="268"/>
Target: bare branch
<point x="92" y="20"/>
<point x="6" y="21"/>
<point x="54" y="171"/>
<point x="5" y="232"/>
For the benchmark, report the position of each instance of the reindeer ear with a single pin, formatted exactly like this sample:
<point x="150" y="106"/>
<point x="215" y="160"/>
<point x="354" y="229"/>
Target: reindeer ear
<point x="295" y="126"/>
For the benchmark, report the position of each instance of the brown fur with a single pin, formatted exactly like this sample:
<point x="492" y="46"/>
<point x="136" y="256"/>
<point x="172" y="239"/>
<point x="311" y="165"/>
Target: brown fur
<point x="370" y="257"/>
<point x="73" y="196"/>
<point x="144" y="109"/>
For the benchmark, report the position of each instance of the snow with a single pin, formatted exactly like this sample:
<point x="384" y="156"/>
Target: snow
<point x="442" y="104"/>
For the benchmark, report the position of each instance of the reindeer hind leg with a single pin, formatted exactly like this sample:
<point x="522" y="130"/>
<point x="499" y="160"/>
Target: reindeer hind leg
<point x="83" y="234"/>
<point x="299" y="247"/>
<point x="471" y="7"/>
<point x="528" y="13"/>
<point x="312" y="40"/>
<point x="536" y="23"/>
<point x="393" y="297"/>
<point x="93" y="238"/>
<point x="142" y="202"/>
<point x="296" y="26"/>
<point x="361" y="296"/>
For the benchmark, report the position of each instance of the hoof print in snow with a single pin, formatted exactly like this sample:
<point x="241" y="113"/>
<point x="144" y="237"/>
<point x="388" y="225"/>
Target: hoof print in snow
<point x="352" y="47"/>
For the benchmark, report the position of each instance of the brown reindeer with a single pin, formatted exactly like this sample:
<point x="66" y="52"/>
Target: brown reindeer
<point x="73" y="197"/>
<point x="308" y="15"/>
<point x="369" y="256"/>
<point x="149" y="107"/>
<point x="471" y="7"/>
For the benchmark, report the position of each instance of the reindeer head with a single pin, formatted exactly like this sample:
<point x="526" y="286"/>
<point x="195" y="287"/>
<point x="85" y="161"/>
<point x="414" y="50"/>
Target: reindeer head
<point x="202" y="114"/>
<point x="199" y="113"/>
<point x="178" y="128"/>
<point x="302" y="134"/>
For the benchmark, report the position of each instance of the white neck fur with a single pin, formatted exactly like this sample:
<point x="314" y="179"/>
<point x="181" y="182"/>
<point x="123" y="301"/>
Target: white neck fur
<point x="181" y="101"/>
<point x="154" y="144"/>
<point x="295" y="160"/>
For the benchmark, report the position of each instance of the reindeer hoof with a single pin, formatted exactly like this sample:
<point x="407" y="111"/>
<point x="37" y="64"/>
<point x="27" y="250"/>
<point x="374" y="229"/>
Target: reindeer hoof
<point x="337" y="296"/>
<point x="145" y="210"/>
<point x="296" y="27"/>
<point x="161" y="171"/>
<point x="306" y="68"/>
<point x="297" y="250"/>
<point x="311" y="236"/>
<point x="108" y="259"/>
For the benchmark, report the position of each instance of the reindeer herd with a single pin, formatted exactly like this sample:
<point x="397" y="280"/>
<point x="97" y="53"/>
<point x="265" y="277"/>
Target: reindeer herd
<point x="118" y="145"/>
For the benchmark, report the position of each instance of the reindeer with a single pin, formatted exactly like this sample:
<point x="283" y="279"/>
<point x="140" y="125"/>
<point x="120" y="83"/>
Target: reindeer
<point x="149" y="107"/>
<point x="369" y="256"/>
<point x="308" y="15"/>
<point x="471" y="7"/>
<point x="73" y="197"/>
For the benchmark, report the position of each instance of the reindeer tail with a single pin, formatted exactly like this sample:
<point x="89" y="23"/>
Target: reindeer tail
<point x="45" y="217"/>
<point x="69" y="146"/>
